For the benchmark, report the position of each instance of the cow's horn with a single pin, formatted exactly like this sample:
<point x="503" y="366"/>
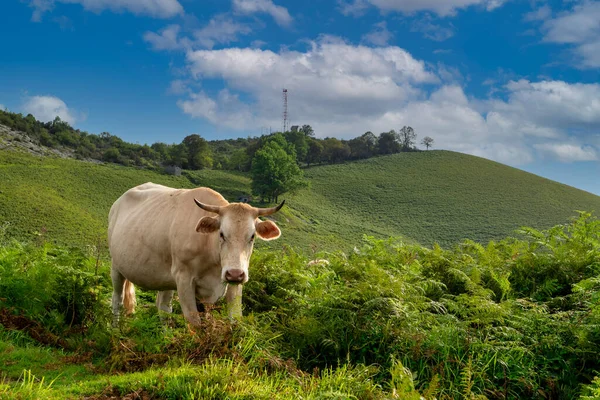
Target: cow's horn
<point x="263" y="212"/>
<point x="206" y="207"/>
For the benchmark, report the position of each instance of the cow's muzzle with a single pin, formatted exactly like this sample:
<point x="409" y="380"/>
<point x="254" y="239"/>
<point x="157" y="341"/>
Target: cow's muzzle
<point x="235" y="276"/>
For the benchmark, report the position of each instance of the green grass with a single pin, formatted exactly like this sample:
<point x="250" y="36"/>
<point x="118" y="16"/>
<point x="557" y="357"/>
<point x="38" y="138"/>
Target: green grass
<point x="425" y="197"/>
<point x="512" y="319"/>
<point x="68" y="201"/>
<point x="433" y="196"/>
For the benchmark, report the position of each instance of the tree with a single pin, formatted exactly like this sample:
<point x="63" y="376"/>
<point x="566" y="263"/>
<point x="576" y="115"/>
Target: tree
<point x="307" y="130"/>
<point x="112" y="155"/>
<point x="238" y="160"/>
<point x="300" y="142"/>
<point x="389" y="143"/>
<point x="335" y="151"/>
<point x="427" y="142"/>
<point x="407" y="138"/>
<point x="199" y="153"/>
<point x="178" y="156"/>
<point x="315" y="151"/>
<point x="162" y="149"/>
<point x="274" y="172"/>
<point x="363" y="146"/>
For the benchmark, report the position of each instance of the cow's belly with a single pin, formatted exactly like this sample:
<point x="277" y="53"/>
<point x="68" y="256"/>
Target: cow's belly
<point x="153" y="280"/>
<point x="148" y="271"/>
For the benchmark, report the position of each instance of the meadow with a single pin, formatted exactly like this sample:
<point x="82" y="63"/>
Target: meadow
<point x="511" y="319"/>
<point x="425" y="197"/>
<point x="407" y="308"/>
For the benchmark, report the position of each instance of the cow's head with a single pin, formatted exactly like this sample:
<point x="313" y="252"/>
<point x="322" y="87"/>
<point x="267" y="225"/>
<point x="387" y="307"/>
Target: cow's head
<point x="237" y="225"/>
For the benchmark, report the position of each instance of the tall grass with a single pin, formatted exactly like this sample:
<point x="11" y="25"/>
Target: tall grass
<point x="516" y="318"/>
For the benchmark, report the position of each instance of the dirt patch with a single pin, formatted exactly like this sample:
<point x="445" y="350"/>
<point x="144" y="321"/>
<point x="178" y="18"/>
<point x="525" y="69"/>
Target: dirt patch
<point x="213" y="338"/>
<point x="12" y="321"/>
<point x="111" y="393"/>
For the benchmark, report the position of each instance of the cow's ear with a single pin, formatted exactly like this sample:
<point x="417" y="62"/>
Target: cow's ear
<point x="208" y="225"/>
<point x="267" y="230"/>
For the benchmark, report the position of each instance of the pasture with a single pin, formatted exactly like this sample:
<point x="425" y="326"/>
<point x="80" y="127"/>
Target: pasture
<point x="506" y="313"/>
<point x="427" y="197"/>
<point x="512" y="319"/>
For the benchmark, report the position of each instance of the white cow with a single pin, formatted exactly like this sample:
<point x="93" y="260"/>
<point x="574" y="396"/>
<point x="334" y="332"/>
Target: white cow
<point x="190" y="240"/>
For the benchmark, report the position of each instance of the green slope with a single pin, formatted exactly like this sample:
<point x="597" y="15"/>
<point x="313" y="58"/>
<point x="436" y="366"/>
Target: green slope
<point x="434" y="196"/>
<point x="68" y="200"/>
<point x="427" y="197"/>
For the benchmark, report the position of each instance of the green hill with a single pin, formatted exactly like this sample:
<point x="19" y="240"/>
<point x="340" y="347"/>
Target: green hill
<point x="435" y="196"/>
<point x="68" y="201"/>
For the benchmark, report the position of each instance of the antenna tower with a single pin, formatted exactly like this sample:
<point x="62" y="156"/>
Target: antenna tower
<point x="285" y="111"/>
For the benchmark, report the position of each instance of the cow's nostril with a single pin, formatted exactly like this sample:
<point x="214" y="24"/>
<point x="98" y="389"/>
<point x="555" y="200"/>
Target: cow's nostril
<point x="235" y="275"/>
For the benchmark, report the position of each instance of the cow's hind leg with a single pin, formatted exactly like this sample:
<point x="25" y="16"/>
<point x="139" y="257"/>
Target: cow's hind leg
<point x="118" y="281"/>
<point x="164" y="303"/>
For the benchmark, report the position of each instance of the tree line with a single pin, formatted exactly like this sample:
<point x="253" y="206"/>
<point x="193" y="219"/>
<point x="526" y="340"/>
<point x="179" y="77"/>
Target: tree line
<point x="273" y="160"/>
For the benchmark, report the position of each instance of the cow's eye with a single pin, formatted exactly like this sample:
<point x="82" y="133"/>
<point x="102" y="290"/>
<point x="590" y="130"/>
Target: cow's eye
<point x="222" y="236"/>
<point x="252" y="237"/>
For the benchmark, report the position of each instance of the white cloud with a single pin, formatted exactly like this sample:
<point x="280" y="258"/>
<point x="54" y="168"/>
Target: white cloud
<point x="226" y="110"/>
<point x="541" y="14"/>
<point x="167" y="39"/>
<point x="568" y="152"/>
<point x="431" y="30"/>
<point x="46" y="108"/>
<point x="440" y="7"/>
<point x="2" y="107"/>
<point x="221" y="29"/>
<point x="327" y="61"/>
<point x="280" y="14"/>
<point x="178" y="87"/>
<point x="449" y="74"/>
<point x="355" y="7"/>
<point x="537" y="119"/>
<point x="554" y="103"/>
<point x="39" y="8"/>
<point x="579" y="27"/>
<point x="344" y="90"/>
<point x="152" y="8"/>
<point x="330" y="80"/>
<point x="590" y="53"/>
<point x="379" y="36"/>
<point x="258" y="43"/>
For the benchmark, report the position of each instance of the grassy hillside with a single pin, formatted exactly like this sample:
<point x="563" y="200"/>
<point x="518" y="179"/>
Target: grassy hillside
<point x="426" y="197"/>
<point x="434" y="196"/>
<point x="68" y="200"/>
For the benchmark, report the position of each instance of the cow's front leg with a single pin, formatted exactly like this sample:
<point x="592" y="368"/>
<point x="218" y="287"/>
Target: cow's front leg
<point x="234" y="301"/>
<point x="186" y="290"/>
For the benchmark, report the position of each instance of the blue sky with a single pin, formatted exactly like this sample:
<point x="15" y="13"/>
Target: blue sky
<point x="516" y="81"/>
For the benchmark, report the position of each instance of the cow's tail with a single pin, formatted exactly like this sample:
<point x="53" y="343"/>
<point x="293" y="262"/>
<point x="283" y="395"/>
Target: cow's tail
<point x="129" y="301"/>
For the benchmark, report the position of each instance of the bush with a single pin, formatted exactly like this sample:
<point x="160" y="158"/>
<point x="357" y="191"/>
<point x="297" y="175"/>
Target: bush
<point x="55" y="288"/>
<point x="467" y="320"/>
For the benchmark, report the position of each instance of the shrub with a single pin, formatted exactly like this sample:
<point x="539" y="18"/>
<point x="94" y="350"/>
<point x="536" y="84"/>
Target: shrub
<point x="55" y="288"/>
